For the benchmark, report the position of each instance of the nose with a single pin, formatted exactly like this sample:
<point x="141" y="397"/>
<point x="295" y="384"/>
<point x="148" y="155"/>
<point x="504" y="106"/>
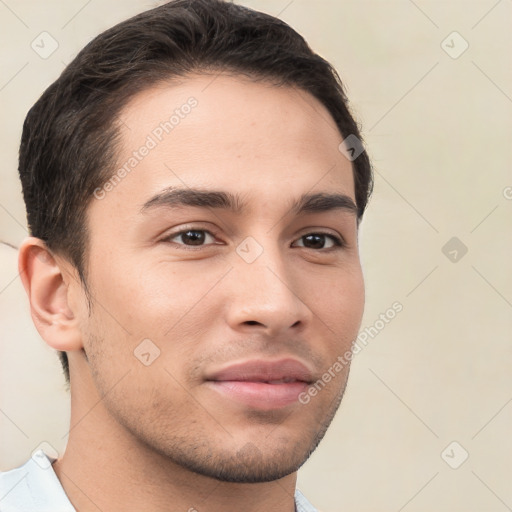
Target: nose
<point x="266" y="295"/>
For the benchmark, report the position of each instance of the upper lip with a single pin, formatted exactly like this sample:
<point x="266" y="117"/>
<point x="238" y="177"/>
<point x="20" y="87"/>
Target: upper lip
<point x="260" y="370"/>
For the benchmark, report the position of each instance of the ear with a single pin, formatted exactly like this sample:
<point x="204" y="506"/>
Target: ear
<point x="47" y="283"/>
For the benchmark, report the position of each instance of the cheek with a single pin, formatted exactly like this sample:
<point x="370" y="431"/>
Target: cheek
<point x="341" y="309"/>
<point x="134" y="303"/>
<point x="147" y="322"/>
<point x="338" y="298"/>
<point x="349" y="298"/>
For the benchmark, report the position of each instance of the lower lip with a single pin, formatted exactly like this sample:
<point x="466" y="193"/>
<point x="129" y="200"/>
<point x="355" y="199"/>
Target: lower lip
<point x="260" y="395"/>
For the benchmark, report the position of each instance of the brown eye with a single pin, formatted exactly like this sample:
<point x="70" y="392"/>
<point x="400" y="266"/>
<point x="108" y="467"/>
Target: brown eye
<point x="319" y="241"/>
<point x="191" y="237"/>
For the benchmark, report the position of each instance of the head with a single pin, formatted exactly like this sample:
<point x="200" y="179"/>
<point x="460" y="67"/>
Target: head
<point x="191" y="210"/>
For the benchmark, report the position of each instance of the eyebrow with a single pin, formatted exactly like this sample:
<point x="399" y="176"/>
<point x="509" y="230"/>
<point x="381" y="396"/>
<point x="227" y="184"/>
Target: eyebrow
<point x="308" y="203"/>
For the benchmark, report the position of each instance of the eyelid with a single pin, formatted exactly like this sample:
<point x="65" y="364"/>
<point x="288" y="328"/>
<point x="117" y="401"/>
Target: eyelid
<point x="176" y="235"/>
<point x="184" y="229"/>
<point x="338" y="240"/>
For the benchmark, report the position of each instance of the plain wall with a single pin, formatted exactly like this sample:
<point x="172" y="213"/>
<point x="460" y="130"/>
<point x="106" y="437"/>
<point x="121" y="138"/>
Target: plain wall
<point x="438" y="128"/>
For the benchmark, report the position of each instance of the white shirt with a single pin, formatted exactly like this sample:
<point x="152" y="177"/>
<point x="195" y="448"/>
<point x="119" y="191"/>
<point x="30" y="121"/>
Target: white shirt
<point x="34" y="487"/>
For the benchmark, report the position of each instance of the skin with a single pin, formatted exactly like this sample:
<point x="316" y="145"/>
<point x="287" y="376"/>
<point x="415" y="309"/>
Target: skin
<point x="158" y="437"/>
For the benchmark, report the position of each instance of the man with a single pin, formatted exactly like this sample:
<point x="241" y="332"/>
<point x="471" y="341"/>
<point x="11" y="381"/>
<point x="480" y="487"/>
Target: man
<point x="194" y="184"/>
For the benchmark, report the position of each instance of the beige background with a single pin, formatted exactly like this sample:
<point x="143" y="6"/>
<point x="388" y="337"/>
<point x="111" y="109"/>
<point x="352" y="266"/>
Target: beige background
<point x="438" y="129"/>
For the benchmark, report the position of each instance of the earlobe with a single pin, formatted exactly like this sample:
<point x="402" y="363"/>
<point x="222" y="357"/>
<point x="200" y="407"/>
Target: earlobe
<point x="44" y="279"/>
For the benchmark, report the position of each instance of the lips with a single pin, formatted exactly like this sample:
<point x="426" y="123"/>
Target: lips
<point x="260" y="384"/>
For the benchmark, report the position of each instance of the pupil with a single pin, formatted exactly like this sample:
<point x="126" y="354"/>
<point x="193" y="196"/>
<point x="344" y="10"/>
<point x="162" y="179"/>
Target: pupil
<point x="193" y="237"/>
<point x="314" y="241"/>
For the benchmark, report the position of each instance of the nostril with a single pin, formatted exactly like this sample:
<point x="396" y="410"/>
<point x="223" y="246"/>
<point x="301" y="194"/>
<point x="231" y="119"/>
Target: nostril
<point x="251" y="322"/>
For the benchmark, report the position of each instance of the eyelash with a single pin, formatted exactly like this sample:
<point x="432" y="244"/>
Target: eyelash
<point x="338" y="242"/>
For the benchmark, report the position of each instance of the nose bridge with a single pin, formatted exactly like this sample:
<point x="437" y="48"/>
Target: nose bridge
<point x="264" y="287"/>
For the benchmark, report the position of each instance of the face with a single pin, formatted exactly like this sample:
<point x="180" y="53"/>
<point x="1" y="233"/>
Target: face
<point x="225" y="277"/>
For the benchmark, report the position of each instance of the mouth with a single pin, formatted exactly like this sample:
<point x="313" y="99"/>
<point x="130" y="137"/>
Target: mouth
<point x="261" y="384"/>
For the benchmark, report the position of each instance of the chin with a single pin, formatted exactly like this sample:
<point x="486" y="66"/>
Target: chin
<point x="249" y="464"/>
<point x="246" y="470"/>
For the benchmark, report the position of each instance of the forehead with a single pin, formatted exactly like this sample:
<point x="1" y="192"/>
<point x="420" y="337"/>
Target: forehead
<point x="227" y="132"/>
